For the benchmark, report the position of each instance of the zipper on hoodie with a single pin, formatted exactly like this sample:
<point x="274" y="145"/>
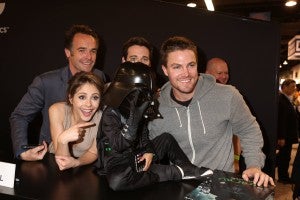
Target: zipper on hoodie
<point x="190" y="134"/>
<point x="189" y="128"/>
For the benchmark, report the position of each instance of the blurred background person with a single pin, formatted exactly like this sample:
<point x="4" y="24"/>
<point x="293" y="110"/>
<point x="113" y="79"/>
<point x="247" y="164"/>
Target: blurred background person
<point x="219" y="69"/>
<point x="288" y="129"/>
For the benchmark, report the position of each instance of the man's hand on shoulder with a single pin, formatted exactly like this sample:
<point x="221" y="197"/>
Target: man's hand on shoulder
<point x="259" y="177"/>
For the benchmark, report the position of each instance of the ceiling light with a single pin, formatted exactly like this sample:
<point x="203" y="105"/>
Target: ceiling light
<point x="191" y="5"/>
<point x="290" y="3"/>
<point x="209" y="5"/>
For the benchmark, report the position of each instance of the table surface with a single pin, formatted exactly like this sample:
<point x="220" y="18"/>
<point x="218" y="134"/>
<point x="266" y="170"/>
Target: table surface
<point x="43" y="180"/>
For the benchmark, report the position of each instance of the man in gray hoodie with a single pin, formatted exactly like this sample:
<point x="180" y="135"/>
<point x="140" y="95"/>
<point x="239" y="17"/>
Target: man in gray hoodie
<point x="203" y="115"/>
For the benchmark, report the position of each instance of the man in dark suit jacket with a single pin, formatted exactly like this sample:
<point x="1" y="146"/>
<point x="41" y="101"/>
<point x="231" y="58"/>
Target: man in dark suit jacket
<point x="288" y="128"/>
<point x="81" y="46"/>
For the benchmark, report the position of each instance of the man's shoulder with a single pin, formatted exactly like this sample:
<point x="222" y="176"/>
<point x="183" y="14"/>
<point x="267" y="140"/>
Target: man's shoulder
<point x="52" y="78"/>
<point x="283" y="99"/>
<point x="54" y="74"/>
<point x="225" y="87"/>
<point x="100" y="74"/>
<point x="231" y="89"/>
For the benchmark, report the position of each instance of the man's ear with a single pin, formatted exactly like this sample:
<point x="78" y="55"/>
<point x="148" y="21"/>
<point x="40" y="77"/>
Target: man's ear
<point x="67" y="52"/>
<point x="123" y="59"/>
<point x="164" y="70"/>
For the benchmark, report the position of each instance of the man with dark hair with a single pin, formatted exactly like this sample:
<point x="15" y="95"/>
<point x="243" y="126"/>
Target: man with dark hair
<point x="137" y="49"/>
<point x="288" y="129"/>
<point x="81" y="46"/>
<point x="203" y="115"/>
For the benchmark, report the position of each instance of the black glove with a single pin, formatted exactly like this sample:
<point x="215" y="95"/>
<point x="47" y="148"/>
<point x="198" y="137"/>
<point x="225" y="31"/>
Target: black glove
<point x="137" y="109"/>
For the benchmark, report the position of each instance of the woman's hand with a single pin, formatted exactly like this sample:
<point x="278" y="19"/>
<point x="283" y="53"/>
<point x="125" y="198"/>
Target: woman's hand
<point x="66" y="162"/>
<point x="74" y="133"/>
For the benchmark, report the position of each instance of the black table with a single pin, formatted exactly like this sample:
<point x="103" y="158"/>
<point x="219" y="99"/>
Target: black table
<point x="43" y="180"/>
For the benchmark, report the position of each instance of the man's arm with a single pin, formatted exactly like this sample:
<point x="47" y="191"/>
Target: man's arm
<point x="247" y="128"/>
<point x="31" y="103"/>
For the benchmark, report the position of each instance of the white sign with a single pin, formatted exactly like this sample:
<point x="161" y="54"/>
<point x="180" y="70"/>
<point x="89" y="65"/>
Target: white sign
<point x="294" y="48"/>
<point x="7" y="174"/>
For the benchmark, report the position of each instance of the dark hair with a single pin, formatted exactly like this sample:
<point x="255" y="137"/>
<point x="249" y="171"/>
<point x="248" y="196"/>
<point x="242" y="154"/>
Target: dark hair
<point x="78" y="28"/>
<point x="287" y="82"/>
<point x="176" y="43"/>
<point x="140" y="41"/>
<point x="82" y="78"/>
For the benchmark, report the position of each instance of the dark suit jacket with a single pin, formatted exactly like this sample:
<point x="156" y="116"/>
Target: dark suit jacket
<point x="288" y="127"/>
<point x="46" y="89"/>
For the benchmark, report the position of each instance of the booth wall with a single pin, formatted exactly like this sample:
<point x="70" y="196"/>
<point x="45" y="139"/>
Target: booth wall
<point x="32" y="33"/>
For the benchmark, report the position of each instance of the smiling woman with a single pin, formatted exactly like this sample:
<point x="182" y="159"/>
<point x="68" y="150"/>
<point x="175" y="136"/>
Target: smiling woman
<point x="74" y="124"/>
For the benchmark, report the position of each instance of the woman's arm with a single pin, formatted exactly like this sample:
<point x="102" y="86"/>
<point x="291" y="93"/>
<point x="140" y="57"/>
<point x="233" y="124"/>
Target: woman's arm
<point x="90" y="156"/>
<point x="56" y="119"/>
<point x="61" y="137"/>
<point x="66" y="162"/>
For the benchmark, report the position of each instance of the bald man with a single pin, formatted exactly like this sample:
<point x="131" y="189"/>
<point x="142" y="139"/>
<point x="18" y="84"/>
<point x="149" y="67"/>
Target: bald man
<point x="219" y="69"/>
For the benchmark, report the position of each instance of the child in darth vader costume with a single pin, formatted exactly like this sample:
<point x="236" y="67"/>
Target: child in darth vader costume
<point x="126" y="155"/>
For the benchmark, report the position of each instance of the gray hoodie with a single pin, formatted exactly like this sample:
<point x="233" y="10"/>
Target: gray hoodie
<point x="204" y="129"/>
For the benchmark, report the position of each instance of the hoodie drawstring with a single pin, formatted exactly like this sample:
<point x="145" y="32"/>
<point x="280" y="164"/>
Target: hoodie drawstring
<point x="189" y="128"/>
<point x="180" y="125"/>
<point x="199" y="107"/>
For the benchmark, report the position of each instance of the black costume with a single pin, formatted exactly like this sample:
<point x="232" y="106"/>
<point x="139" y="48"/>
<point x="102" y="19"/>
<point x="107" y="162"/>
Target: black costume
<point x="287" y="130"/>
<point x="123" y="135"/>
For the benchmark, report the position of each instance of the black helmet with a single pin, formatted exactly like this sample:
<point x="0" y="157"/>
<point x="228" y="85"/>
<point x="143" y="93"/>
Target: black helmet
<point x="129" y="76"/>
